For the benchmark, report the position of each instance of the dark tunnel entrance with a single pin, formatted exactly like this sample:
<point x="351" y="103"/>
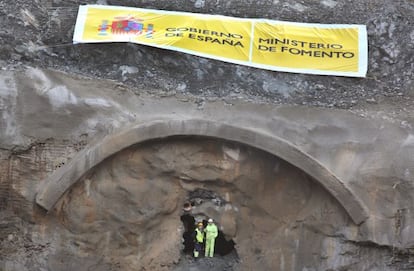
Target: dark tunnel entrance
<point x="194" y="213"/>
<point x="222" y="246"/>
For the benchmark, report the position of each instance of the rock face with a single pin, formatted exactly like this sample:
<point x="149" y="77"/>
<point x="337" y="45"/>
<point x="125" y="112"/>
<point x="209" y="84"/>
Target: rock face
<point x="58" y="101"/>
<point x="125" y="214"/>
<point x="277" y="215"/>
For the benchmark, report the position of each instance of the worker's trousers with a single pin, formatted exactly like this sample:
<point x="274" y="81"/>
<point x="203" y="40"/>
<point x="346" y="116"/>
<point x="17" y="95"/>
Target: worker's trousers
<point x="198" y="247"/>
<point x="210" y="247"/>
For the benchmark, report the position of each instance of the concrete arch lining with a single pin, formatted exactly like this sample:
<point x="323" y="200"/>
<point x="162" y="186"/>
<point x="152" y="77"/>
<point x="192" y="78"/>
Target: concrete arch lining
<point x="61" y="180"/>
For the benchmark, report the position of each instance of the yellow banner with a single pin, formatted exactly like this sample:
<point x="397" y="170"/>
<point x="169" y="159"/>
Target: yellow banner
<point x="273" y="45"/>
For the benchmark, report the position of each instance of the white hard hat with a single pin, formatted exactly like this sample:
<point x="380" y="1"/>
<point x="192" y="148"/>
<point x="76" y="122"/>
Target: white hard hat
<point x="210" y="220"/>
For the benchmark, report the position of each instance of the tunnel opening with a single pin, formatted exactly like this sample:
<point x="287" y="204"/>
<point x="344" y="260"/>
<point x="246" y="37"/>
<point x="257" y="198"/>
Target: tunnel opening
<point x="256" y="200"/>
<point x="223" y="246"/>
<point x="194" y="213"/>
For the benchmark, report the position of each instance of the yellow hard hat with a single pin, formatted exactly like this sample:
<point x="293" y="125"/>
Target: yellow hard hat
<point x="200" y="224"/>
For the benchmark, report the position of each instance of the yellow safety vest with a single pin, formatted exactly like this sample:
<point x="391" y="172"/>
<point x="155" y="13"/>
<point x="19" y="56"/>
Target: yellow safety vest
<point x="199" y="235"/>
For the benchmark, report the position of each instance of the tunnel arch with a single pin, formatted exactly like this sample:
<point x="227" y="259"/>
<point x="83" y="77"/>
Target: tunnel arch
<point x="53" y="188"/>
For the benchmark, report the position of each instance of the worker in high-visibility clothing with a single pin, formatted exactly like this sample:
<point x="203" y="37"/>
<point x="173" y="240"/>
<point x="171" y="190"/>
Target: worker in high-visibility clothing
<point x="211" y="235"/>
<point x="199" y="239"/>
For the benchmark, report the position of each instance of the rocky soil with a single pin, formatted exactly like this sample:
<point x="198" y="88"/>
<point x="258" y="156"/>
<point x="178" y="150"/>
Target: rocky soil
<point x="125" y="213"/>
<point x="40" y="33"/>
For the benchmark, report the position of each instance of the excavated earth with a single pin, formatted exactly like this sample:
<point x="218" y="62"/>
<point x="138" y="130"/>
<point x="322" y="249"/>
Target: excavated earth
<point x="102" y="145"/>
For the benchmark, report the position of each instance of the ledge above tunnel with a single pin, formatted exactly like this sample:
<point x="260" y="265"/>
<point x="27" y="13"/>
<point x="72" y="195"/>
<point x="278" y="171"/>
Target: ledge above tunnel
<point x="61" y="180"/>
